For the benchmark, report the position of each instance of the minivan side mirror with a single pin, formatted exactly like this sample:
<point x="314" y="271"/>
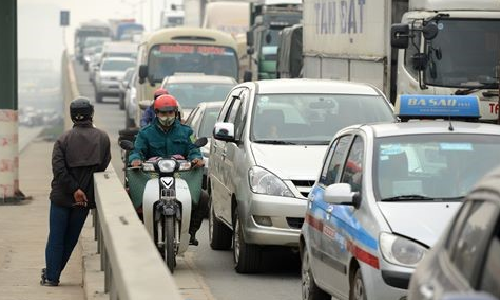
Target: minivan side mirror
<point x="341" y="194"/>
<point x="143" y="71"/>
<point x="247" y="76"/>
<point x="224" y="132"/>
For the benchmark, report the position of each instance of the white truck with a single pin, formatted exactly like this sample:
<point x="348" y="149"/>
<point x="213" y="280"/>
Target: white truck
<point x="445" y="46"/>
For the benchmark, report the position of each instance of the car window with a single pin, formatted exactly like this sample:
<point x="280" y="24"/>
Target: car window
<point x="353" y="168"/>
<point x="208" y="121"/>
<point x="326" y="162"/>
<point x="337" y="160"/>
<point x="473" y="239"/>
<point x="227" y="104"/>
<point x="189" y="120"/>
<point x="233" y="111"/>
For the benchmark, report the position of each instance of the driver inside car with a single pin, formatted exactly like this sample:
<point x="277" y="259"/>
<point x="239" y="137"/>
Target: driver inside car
<point x="166" y="137"/>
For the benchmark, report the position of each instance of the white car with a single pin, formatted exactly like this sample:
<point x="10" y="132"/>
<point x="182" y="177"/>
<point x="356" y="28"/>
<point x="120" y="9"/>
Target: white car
<point x="268" y="143"/>
<point x="111" y="71"/>
<point x="192" y="88"/>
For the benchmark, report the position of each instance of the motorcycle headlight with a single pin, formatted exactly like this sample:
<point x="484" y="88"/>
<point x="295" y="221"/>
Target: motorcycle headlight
<point x="398" y="250"/>
<point x="166" y="165"/>
<point x="264" y="182"/>
<point x="148" y="167"/>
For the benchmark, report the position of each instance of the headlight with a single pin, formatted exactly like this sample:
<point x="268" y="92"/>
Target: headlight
<point x="401" y="251"/>
<point x="148" y="167"/>
<point x="166" y="165"/>
<point x="265" y="182"/>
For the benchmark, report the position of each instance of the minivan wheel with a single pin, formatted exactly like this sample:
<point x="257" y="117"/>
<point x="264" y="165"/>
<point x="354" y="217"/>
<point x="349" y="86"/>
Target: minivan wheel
<point x="219" y="234"/>
<point x="310" y="291"/>
<point x="357" y="291"/>
<point x="246" y="257"/>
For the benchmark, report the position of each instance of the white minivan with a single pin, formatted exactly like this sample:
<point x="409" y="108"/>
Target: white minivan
<point x="268" y="143"/>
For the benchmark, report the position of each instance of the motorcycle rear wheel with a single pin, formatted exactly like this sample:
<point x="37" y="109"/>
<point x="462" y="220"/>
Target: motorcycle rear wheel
<point x="170" y="243"/>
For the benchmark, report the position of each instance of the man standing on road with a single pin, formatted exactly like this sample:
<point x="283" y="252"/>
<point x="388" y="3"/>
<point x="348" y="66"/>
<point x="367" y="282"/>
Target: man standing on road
<point x="77" y="155"/>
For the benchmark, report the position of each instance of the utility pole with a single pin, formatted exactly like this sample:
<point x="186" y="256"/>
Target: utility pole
<point x="9" y="148"/>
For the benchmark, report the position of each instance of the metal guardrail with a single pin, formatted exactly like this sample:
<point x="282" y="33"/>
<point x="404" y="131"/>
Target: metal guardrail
<point x="133" y="268"/>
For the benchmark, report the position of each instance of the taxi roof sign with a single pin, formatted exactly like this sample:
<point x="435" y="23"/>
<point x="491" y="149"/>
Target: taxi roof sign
<point x="437" y="107"/>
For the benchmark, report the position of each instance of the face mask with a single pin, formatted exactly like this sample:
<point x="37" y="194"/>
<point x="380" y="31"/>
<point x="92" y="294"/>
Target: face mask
<point x="166" y="121"/>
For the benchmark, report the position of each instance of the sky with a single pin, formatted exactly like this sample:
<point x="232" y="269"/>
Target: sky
<point x="41" y="37"/>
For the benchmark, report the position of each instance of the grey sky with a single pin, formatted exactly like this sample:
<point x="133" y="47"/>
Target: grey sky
<point x="39" y="34"/>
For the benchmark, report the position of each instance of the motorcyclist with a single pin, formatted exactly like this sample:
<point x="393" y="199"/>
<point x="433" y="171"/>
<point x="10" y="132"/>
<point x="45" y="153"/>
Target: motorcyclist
<point x="149" y="113"/>
<point x="166" y="137"/>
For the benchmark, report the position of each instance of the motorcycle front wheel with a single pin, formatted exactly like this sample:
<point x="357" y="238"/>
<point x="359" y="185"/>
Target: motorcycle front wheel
<point x="170" y="243"/>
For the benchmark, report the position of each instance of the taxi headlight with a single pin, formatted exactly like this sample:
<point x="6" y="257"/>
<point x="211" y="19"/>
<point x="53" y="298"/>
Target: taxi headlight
<point x="185" y="166"/>
<point x="148" y="167"/>
<point x="401" y="251"/>
<point x="166" y="165"/>
<point x="264" y="182"/>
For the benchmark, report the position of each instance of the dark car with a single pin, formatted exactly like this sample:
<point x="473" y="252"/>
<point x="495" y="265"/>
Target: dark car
<point x="465" y="263"/>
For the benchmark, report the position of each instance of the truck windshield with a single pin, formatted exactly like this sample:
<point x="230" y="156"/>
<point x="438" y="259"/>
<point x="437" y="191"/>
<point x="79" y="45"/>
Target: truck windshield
<point x="165" y="60"/>
<point x="431" y="167"/>
<point x="464" y="54"/>
<point x="310" y="119"/>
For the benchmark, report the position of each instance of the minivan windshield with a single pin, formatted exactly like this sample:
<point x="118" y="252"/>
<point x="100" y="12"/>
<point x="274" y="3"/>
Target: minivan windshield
<point x="431" y="167"/>
<point x="313" y="118"/>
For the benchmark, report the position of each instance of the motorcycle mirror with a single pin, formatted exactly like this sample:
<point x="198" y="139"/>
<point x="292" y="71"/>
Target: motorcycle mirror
<point x="126" y="145"/>
<point x="201" y="142"/>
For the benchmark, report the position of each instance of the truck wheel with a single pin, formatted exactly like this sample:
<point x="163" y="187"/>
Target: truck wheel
<point x="170" y="243"/>
<point x="357" y="290"/>
<point x="246" y="257"/>
<point x="310" y="291"/>
<point x="218" y="233"/>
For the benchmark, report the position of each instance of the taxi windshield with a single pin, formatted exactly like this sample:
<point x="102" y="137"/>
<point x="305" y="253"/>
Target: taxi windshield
<point x="311" y="119"/>
<point x="431" y="167"/>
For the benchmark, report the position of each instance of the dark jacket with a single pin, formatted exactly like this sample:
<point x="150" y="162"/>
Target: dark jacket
<point x="153" y="141"/>
<point x="77" y="155"/>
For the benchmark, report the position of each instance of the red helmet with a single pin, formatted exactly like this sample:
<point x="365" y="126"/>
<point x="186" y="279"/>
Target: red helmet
<point x="160" y="92"/>
<point x="166" y="103"/>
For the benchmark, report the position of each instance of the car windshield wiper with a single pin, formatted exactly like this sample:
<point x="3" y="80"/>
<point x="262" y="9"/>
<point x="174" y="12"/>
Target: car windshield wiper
<point x="407" y="198"/>
<point x="482" y="86"/>
<point x="274" y="142"/>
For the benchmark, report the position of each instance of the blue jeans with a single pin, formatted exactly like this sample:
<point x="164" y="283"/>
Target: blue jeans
<point x="65" y="227"/>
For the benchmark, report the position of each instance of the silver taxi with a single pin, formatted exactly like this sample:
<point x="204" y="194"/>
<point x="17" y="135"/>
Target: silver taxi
<point x="383" y="197"/>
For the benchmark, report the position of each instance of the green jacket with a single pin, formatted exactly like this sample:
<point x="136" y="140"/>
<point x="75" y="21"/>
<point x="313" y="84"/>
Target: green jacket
<point x="153" y="141"/>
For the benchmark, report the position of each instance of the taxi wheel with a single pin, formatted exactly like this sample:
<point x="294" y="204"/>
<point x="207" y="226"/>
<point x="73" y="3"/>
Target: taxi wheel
<point x="219" y="234"/>
<point x="246" y="257"/>
<point x="310" y="291"/>
<point x="357" y="291"/>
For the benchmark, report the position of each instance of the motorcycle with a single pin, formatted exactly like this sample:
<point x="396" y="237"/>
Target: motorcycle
<point x="166" y="202"/>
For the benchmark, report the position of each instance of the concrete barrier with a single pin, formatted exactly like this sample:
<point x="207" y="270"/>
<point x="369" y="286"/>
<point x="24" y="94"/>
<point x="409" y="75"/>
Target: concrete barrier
<point x="133" y="268"/>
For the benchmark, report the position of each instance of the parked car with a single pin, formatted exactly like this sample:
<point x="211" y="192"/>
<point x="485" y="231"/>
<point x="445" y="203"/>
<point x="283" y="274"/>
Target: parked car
<point x="192" y="88"/>
<point x="268" y="143"/>
<point x="385" y="193"/>
<point x="124" y="85"/>
<point x="202" y="120"/>
<point x="111" y="71"/>
<point x="466" y="260"/>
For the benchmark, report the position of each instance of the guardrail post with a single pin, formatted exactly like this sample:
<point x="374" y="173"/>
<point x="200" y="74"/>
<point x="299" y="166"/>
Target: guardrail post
<point x="107" y="272"/>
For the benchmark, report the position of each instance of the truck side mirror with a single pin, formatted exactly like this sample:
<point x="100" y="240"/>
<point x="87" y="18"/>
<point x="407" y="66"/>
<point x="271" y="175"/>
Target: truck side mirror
<point x="249" y="38"/>
<point x="430" y="31"/>
<point x="400" y="34"/>
<point x="143" y="71"/>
